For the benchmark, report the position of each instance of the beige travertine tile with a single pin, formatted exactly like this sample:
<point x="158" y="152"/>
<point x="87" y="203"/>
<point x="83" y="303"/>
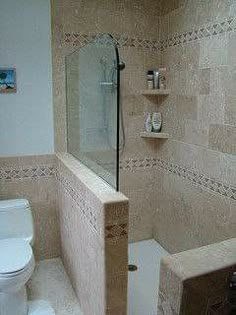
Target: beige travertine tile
<point x="230" y="110"/>
<point x="36" y="191"/>
<point x="211" y="109"/>
<point x="141" y="211"/>
<point x="139" y="179"/>
<point x="169" y="6"/>
<point x="47" y="235"/>
<point x="196" y="132"/>
<point x="187" y="212"/>
<point x="213" y="52"/>
<point x="222" y="138"/>
<point x="33" y="160"/>
<point x="231" y="48"/>
<point x="205" y="76"/>
<point x="182" y="57"/>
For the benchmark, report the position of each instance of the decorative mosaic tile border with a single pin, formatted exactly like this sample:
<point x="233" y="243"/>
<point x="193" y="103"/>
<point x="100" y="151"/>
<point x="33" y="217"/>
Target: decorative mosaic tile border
<point x="191" y="175"/>
<point x="80" y="39"/>
<point x="26" y="172"/>
<point x="218" y="28"/>
<point x="113" y="231"/>
<point x="205" y="31"/>
<point x="23" y="173"/>
<point x="117" y="230"/>
<point x="138" y="163"/>
<point x="78" y="198"/>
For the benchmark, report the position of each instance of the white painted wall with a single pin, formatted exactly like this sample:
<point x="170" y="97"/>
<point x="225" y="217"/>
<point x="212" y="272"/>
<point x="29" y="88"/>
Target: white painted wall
<point x="26" y="118"/>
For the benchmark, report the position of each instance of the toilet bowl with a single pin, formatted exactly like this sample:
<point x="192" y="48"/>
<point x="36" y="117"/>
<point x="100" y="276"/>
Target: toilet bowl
<point x="16" y="267"/>
<point x="16" y="258"/>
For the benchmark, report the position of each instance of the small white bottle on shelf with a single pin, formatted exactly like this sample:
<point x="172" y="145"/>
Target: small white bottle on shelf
<point x="148" y="122"/>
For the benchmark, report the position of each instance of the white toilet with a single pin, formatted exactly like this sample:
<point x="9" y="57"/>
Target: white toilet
<point x="16" y="255"/>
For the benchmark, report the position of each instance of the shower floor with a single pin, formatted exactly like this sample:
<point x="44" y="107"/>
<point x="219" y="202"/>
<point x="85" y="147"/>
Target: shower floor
<point x="143" y="283"/>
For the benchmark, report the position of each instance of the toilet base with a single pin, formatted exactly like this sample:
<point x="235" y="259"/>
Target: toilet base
<point x="40" y="307"/>
<point x="14" y="303"/>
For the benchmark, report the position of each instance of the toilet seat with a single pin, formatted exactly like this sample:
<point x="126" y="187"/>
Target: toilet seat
<point x="16" y="256"/>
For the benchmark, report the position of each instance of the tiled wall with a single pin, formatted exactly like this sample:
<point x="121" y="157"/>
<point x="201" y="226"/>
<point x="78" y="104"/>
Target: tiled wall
<point x="196" y="198"/>
<point x="33" y="178"/>
<point x="94" y="236"/>
<point x="74" y="23"/>
<point x="193" y="183"/>
<point x="135" y="27"/>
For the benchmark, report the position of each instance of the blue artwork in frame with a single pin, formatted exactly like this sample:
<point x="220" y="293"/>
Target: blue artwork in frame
<point x="7" y="80"/>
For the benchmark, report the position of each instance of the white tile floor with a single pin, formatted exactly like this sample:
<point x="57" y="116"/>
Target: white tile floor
<point x="143" y="283"/>
<point x="50" y="282"/>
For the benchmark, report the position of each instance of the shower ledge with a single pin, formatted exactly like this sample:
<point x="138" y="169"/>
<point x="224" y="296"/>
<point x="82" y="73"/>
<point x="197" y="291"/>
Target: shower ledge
<point x="157" y="135"/>
<point x="156" y="92"/>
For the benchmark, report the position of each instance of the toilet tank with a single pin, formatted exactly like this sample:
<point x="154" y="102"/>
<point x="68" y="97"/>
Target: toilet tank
<point x="16" y="220"/>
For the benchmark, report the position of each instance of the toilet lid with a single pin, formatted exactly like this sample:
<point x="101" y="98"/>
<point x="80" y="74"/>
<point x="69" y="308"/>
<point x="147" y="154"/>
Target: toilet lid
<point x="15" y="255"/>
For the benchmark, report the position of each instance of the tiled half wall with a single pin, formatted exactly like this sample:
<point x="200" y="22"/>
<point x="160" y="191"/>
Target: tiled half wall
<point x="94" y="237"/>
<point x="190" y="285"/>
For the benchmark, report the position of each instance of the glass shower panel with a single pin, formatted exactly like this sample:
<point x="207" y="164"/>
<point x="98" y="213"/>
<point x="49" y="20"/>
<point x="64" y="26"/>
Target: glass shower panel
<point x="93" y="107"/>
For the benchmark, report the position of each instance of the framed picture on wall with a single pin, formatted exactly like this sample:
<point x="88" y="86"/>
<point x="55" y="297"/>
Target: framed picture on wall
<point x="7" y="80"/>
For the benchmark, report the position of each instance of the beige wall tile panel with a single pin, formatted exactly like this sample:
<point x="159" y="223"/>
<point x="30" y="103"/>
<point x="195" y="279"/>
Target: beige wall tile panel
<point x="230" y="111"/>
<point x="31" y="160"/>
<point x="187" y="217"/>
<point x="47" y="233"/>
<point x="196" y="132"/>
<point x="222" y="138"/>
<point x="217" y="165"/>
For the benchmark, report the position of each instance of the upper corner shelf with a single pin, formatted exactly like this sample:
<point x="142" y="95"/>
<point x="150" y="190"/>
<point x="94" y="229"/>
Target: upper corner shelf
<point x="155" y="92"/>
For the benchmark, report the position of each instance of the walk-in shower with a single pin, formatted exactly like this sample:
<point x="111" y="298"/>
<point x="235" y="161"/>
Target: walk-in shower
<point x="95" y="128"/>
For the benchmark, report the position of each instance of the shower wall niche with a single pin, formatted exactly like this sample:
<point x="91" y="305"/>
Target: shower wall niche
<point x="92" y="77"/>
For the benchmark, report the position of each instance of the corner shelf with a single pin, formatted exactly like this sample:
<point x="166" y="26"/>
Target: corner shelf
<point x="157" y="135"/>
<point x="155" y="92"/>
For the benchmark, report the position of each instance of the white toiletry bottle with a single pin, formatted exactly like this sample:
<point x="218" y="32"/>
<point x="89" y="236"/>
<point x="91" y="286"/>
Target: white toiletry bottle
<point x="156" y="122"/>
<point x="148" y="122"/>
